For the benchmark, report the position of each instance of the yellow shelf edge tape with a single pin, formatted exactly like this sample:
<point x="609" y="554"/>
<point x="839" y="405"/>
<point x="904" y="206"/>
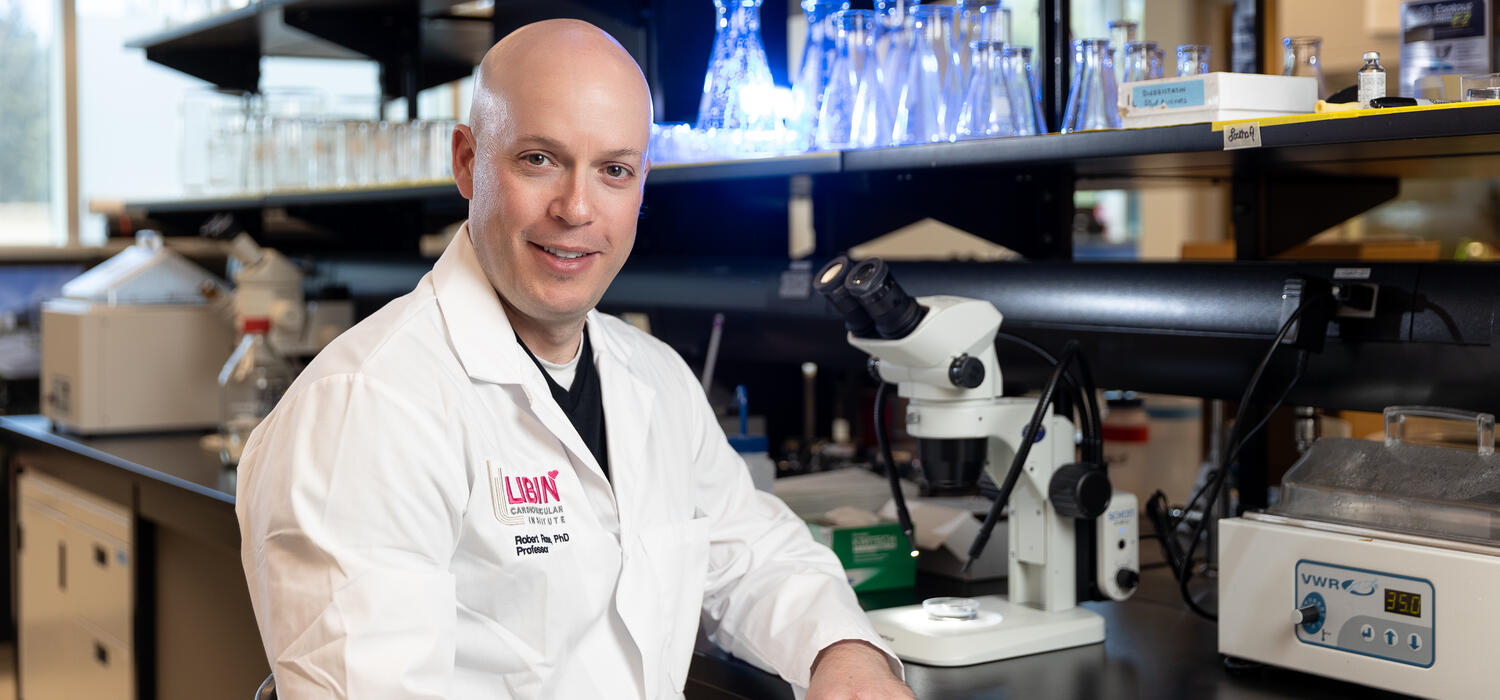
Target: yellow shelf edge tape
<point x="1349" y="114"/>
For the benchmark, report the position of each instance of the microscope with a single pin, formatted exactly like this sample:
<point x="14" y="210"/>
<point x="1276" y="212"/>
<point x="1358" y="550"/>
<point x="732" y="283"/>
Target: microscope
<point x="1071" y="536"/>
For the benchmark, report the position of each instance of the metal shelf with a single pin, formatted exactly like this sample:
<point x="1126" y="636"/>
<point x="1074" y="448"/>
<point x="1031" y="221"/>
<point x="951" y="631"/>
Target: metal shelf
<point x="418" y="44"/>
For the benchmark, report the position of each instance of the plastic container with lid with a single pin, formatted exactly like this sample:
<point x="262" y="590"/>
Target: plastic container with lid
<point x="1402" y="486"/>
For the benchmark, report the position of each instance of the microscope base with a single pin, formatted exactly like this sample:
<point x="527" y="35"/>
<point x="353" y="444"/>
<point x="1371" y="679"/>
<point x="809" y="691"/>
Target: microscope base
<point x="1002" y="631"/>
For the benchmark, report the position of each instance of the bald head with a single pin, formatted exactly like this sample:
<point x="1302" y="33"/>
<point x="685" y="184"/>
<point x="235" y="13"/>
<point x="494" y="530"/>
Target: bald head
<point x="553" y="163"/>
<point x="544" y="58"/>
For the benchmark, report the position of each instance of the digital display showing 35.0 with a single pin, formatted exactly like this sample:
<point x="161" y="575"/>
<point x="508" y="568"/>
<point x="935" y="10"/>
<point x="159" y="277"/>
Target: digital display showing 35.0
<point x="1403" y="603"/>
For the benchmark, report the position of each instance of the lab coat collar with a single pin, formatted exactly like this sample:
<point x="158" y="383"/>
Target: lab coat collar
<point x="486" y="346"/>
<point x="482" y="336"/>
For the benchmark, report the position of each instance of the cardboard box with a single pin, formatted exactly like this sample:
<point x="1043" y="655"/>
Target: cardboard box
<point x="875" y="557"/>
<point x="1215" y="97"/>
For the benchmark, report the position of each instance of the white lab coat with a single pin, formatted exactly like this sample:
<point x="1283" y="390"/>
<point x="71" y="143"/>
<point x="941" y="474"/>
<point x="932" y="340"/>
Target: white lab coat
<point x="420" y="520"/>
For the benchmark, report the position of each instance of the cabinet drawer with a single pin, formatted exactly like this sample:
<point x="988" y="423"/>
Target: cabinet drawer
<point x="44" y="622"/>
<point x="102" y="668"/>
<point x="101" y="581"/>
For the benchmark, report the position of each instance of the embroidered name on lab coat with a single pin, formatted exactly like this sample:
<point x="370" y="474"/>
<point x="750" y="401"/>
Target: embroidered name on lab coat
<point x="520" y="499"/>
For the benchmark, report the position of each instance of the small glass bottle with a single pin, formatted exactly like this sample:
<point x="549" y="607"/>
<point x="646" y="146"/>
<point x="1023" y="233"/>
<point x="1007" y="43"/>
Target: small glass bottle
<point x="1371" y="79"/>
<point x="250" y="384"/>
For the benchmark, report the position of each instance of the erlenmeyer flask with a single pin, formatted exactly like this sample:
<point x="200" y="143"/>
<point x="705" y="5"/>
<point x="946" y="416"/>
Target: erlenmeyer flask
<point x="1137" y="65"/>
<point x="1302" y="59"/>
<point x="1015" y="62"/>
<point x="979" y="20"/>
<point x="986" y="111"/>
<point x="925" y="112"/>
<point x="893" y="44"/>
<point x="1121" y="34"/>
<point x="855" y="113"/>
<point x="1092" y="103"/>
<point x="1192" y="59"/>
<point x="737" y="91"/>
<point x="817" y="60"/>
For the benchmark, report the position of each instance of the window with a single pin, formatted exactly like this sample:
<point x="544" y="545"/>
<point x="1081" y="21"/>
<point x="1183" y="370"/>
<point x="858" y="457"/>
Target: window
<point x="25" y="123"/>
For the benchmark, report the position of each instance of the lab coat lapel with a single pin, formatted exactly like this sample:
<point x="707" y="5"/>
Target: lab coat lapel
<point x="486" y="345"/>
<point x="628" y="402"/>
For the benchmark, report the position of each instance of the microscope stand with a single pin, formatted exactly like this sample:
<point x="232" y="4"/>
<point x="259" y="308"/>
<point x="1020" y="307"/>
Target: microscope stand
<point x="1000" y="631"/>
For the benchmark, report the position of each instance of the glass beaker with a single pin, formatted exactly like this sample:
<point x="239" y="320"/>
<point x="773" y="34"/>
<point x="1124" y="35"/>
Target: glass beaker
<point x="986" y="111"/>
<point x="855" y="113"/>
<point x="1192" y="59"/>
<point x="1158" y="62"/>
<point x="817" y="60"/>
<point x="979" y="20"/>
<point x="738" y="82"/>
<point x="925" y="111"/>
<point x="1092" y="103"/>
<point x="1302" y="58"/>
<point x="1025" y="108"/>
<point x="1140" y="61"/>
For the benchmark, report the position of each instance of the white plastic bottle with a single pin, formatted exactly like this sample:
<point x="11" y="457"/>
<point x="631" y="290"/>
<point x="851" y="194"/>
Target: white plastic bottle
<point x="250" y="384"/>
<point x="1371" y="79"/>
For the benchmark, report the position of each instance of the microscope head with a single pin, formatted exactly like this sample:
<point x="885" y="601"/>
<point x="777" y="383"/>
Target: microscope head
<point x="938" y="351"/>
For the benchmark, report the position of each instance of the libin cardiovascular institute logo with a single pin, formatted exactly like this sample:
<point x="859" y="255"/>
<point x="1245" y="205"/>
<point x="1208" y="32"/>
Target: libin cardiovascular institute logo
<point x="525" y="500"/>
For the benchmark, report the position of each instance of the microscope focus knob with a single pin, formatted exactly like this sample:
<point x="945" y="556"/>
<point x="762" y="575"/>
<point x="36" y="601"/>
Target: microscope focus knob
<point x="966" y="372"/>
<point x="1079" y="491"/>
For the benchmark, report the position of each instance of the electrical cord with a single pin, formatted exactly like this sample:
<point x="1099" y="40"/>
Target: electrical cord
<point x="1089" y="421"/>
<point x="1214" y="485"/>
<point x="1028" y="438"/>
<point x="883" y="440"/>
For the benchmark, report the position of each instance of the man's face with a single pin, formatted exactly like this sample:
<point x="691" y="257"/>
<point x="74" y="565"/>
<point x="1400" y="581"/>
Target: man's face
<point x="557" y="180"/>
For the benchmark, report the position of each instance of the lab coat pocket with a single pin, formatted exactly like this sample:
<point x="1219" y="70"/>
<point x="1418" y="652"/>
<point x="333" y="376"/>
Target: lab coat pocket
<point x="678" y="556"/>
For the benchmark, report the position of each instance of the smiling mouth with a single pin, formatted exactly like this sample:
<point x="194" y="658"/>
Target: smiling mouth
<point x="562" y="254"/>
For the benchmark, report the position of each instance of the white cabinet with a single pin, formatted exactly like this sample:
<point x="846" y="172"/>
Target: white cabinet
<point x="76" y="594"/>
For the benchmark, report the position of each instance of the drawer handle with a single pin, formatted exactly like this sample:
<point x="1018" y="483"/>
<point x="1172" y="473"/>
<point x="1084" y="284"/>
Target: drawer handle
<point x="62" y="566"/>
<point x="101" y="654"/>
<point x="100" y="556"/>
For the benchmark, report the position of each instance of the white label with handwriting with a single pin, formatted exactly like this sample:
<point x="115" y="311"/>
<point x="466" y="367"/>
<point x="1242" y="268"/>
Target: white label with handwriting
<point x="1241" y="136"/>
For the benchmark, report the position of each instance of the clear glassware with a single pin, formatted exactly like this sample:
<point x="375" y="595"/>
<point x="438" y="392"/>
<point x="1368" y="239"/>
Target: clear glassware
<point x="855" y="113"/>
<point x="291" y="130"/>
<point x="1192" y="59"/>
<point x="811" y="81"/>
<point x="1122" y="33"/>
<point x="1140" y="61"/>
<point x="926" y="111"/>
<point x="738" y="83"/>
<point x="1302" y="58"/>
<point x="1474" y="88"/>
<point x="1158" y="62"/>
<point x="328" y="158"/>
<point x="979" y="20"/>
<point x="211" y="141"/>
<point x="893" y="43"/>
<point x="250" y="384"/>
<point x="1092" y="103"/>
<point x="1026" y="109"/>
<point x="986" y="111"/>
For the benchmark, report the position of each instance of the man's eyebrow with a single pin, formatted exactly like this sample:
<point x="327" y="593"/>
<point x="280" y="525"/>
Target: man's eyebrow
<point x="556" y="146"/>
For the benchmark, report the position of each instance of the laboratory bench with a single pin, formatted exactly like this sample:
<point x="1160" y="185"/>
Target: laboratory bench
<point x="195" y="636"/>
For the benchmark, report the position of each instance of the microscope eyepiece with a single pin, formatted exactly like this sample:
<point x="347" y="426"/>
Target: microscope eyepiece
<point x="896" y="313"/>
<point x="830" y="283"/>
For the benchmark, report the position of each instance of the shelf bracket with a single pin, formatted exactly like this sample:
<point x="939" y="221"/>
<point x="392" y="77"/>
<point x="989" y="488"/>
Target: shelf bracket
<point x="1274" y="212"/>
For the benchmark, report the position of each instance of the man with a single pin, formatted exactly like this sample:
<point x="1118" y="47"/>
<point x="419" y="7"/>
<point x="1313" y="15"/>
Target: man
<point x="487" y="489"/>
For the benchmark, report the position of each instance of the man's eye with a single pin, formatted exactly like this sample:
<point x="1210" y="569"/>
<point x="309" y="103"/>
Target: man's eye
<point x="616" y="171"/>
<point x="536" y="159"/>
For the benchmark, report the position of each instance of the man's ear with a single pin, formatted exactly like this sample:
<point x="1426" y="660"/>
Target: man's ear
<point x="463" y="159"/>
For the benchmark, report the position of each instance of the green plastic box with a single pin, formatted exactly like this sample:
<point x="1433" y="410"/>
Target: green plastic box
<point x="873" y="556"/>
